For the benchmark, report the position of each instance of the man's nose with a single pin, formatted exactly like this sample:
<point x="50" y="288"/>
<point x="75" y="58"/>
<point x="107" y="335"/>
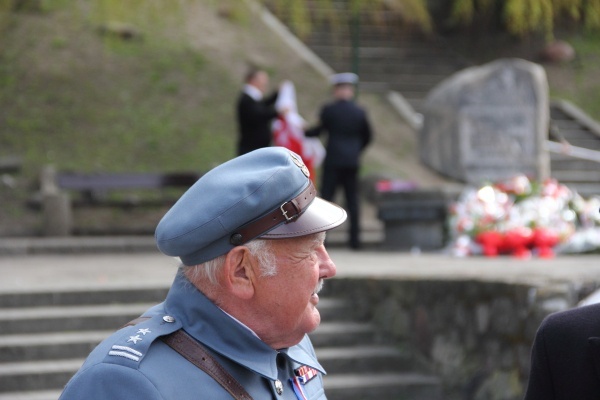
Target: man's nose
<point x="327" y="266"/>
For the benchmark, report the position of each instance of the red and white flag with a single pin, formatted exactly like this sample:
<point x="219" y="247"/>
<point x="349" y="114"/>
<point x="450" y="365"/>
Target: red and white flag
<point x="288" y="130"/>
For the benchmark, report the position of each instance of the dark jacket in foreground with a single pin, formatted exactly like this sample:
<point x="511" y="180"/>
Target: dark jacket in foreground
<point x="254" y="122"/>
<point x="565" y="359"/>
<point x="133" y="364"/>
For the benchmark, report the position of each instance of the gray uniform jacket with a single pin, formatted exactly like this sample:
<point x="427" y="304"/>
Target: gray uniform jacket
<point x="132" y="364"/>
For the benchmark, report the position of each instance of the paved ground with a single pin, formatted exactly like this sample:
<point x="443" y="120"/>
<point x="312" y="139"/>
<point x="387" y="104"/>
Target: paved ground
<point x="132" y="261"/>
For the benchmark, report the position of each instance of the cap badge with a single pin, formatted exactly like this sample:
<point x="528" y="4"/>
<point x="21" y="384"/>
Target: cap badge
<point x="298" y="161"/>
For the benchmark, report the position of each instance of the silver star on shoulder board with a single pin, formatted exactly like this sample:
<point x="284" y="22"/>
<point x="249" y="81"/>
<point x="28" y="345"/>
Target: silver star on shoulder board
<point x="134" y="339"/>
<point x="143" y="331"/>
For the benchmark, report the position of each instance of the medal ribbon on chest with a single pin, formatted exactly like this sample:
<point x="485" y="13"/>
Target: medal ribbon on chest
<point x="305" y="374"/>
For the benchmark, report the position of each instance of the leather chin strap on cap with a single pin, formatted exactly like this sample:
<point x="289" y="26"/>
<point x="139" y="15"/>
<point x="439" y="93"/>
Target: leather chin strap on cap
<point x="287" y="212"/>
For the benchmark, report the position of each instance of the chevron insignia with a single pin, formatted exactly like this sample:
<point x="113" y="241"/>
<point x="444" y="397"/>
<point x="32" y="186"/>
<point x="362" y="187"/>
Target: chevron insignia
<point x="124" y="351"/>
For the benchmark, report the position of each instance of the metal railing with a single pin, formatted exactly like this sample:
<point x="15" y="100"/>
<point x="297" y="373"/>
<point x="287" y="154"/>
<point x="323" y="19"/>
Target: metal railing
<point x="573" y="151"/>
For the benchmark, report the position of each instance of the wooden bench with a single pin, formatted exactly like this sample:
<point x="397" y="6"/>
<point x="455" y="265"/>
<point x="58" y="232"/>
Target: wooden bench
<point x="10" y="164"/>
<point x="94" y="188"/>
<point x="125" y="190"/>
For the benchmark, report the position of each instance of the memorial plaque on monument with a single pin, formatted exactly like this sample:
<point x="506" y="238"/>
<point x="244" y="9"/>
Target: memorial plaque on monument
<point x="488" y="123"/>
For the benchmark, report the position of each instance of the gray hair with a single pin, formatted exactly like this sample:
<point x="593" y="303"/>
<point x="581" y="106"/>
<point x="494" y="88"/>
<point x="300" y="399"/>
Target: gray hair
<point x="259" y="248"/>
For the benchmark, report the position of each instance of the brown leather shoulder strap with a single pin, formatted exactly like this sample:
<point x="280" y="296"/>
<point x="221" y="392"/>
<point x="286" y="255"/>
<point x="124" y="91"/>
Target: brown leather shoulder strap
<point x="195" y="353"/>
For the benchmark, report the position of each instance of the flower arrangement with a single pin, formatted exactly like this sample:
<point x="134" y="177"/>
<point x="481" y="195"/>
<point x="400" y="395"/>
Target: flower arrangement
<point x="522" y="217"/>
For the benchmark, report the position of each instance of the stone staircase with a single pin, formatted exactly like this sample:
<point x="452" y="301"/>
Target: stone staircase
<point x="46" y="336"/>
<point x="390" y="58"/>
<point x="579" y="167"/>
<point x="387" y="55"/>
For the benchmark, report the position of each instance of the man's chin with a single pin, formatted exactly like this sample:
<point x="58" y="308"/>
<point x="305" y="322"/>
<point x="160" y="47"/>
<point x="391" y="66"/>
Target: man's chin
<point x="316" y="320"/>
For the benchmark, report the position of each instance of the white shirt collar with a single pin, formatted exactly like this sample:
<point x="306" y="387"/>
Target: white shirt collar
<point x="253" y="92"/>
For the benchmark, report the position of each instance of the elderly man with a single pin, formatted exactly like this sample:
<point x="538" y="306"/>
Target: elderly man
<point x="250" y="237"/>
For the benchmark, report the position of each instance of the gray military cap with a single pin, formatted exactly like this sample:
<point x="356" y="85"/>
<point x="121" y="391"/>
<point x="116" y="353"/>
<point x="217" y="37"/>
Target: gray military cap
<point x="266" y="193"/>
<point x="344" y="78"/>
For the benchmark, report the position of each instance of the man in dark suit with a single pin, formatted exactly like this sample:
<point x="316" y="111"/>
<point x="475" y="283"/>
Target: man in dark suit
<point x="255" y="112"/>
<point x="565" y="359"/>
<point x="349" y="132"/>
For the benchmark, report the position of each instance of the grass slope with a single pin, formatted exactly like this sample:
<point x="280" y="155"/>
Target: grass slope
<point x="83" y="101"/>
<point x="163" y="101"/>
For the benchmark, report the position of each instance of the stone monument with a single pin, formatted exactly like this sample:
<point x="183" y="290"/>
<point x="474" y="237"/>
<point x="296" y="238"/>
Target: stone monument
<point x="488" y="123"/>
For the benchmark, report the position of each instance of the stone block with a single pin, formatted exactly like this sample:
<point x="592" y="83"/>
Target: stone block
<point x="415" y="218"/>
<point x="488" y="123"/>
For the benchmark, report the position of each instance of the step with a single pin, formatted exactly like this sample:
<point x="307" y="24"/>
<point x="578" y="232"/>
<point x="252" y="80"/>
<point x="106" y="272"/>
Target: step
<point x="334" y="334"/>
<point x="79" y="297"/>
<point x="379" y="39"/>
<point x="398" y="85"/>
<point x="363" y="359"/>
<point x="574" y="132"/>
<point x="573" y="124"/>
<point x="565" y="123"/>
<point x="423" y="62"/>
<point x="334" y="310"/>
<point x="558" y="113"/>
<point x="559" y="162"/>
<point x="37" y="375"/>
<point x="371" y="33"/>
<point x="34" y="395"/>
<point x="54" y="344"/>
<point x="397" y="386"/>
<point x="376" y="87"/>
<point x="80" y="244"/>
<point x="386" y="51"/>
<point x="423" y="80"/>
<point x="591" y="144"/>
<point x="369" y="236"/>
<point x="395" y="71"/>
<point x="577" y="176"/>
<point x="49" y="345"/>
<point x="578" y="133"/>
<point x="585" y="190"/>
<point x="68" y="318"/>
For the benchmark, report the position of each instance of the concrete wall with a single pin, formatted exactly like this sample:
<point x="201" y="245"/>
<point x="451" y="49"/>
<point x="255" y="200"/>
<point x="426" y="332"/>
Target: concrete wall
<point x="475" y="335"/>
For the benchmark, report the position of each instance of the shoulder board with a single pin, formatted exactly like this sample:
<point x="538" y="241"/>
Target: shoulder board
<point x="130" y="348"/>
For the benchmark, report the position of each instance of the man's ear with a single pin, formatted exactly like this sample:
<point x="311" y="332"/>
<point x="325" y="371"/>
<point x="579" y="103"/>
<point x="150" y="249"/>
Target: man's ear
<point x="238" y="275"/>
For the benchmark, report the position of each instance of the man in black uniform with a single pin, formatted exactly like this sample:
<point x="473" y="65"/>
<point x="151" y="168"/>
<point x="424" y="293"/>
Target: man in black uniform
<point x="349" y="132"/>
<point x="255" y="112"/>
